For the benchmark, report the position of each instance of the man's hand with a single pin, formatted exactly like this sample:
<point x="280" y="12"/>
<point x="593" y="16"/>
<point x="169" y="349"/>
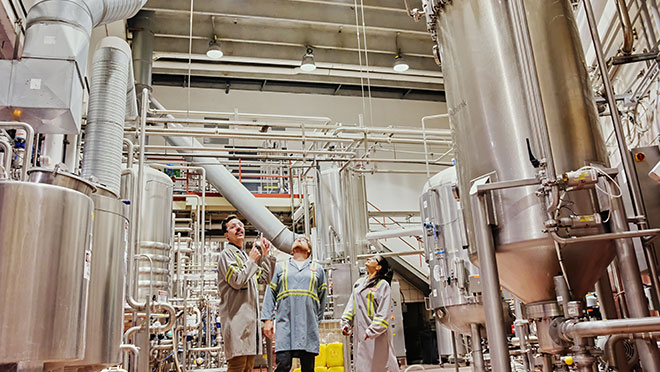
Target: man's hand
<point x="254" y="254"/>
<point x="265" y="245"/>
<point x="268" y="329"/>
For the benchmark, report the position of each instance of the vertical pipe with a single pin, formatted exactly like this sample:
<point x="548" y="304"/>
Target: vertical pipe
<point x="618" y="285"/>
<point x="53" y="150"/>
<point x="71" y="155"/>
<point x="140" y="184"/>
<point x="626" y="161"/>
<point x="651" y="259"/>
<point x="562" y="293"/>
<point x="477" y="352"/>
<point x="632" y="282"/>
<point x="649" y="29"/>
<point x="454" y="351"/>
<point x="546" y="363"/>
<point x="305" y="195"/>
<point x="497" y="340"/>
<point x="608" y="311"/>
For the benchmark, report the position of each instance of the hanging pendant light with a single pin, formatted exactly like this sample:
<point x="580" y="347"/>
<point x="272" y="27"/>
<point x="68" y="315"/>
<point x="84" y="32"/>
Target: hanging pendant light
<point x="307" y="64"/>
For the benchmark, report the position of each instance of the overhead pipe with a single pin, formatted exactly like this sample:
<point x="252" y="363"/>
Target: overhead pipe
<point x="180" y="131"/>
<point x="336" y="129"/>
<point x="398" y="233"/>
<point x="234" y="191"/>
<point x="112" y="101"/>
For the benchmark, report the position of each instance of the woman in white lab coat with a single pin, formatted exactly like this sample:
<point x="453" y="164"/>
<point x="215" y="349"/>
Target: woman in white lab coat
<point x="367" y="314"/>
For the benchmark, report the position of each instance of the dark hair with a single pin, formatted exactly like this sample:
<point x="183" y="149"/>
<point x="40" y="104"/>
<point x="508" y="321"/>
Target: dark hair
<point x="385" y="272"/>
<point x="223" y="225"/>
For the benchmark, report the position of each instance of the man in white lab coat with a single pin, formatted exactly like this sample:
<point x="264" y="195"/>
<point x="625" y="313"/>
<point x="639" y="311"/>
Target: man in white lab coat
<point x="238" y="273"/>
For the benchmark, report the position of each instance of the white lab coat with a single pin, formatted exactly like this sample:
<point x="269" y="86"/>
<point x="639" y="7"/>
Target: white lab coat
<point x="239" y="300"/>
<point x="369" y="311"/>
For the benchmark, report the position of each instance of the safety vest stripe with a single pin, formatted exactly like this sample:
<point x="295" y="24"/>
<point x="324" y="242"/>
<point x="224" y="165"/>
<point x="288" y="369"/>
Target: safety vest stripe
<point x="348" y="316"/>
<point x="273" y="286"/>
<point x="286" y="273"/>
<point x="381" y="320"/>
<point x="297" y="292"/>
<point x="230" y="272"/>
<point x="312" y="278"/>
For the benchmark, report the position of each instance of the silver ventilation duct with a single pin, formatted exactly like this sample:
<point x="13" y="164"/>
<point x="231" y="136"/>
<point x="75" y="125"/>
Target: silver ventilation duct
<point x="56" y="38"/>
<point x="111" y="100"/>
<point x="234" y="191"/>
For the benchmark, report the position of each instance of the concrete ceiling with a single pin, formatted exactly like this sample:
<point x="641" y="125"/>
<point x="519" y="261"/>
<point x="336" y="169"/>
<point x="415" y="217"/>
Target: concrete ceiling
<point x="264" y="41"/>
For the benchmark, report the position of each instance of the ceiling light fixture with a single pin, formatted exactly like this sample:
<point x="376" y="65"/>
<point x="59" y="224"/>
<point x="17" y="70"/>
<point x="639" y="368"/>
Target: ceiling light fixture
<point x="400" y="64"/>
<point x="214" y="51"/>
<point x="307" y="64"/>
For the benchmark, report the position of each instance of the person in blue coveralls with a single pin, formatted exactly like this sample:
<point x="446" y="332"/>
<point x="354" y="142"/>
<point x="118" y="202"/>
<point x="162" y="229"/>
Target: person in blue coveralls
<point x="295" y="300"/>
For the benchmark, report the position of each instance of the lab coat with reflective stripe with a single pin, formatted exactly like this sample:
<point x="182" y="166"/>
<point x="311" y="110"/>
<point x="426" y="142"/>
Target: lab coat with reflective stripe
<point x="239" y="300"/>
<point x="369" y="311"/>
<point x="296" y="298"/>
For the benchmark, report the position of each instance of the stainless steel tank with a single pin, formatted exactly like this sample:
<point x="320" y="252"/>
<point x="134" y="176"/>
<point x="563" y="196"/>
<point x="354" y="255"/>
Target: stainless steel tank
<point x="454" y="281"/>
<point x="342" y="221"/>
<point x="106" y="289"/>
<point x="155" y="239"/>
<point x="491" y="122"/>
<point x="45" y="233"/>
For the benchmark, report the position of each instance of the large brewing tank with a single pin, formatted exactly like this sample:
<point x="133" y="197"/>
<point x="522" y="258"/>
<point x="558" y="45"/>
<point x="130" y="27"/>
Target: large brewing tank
<point x="45" y="233"/>
<point x="491" y="122"/>
<point x="155" y="240"/>
<point x="106" y="287"/>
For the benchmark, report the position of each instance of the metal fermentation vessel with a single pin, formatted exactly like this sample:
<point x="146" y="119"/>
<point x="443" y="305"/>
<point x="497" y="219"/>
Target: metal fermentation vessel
<point x="342" y="215"/>
<point x="106" y="287"/>
<point x="155" y="239"/>
<point x="45" y="255"/>
<point x="491" y="121"/>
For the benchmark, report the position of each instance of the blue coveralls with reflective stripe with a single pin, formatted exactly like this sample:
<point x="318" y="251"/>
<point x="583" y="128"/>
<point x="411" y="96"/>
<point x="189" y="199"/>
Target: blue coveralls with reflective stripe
<point x="296" y="298"/>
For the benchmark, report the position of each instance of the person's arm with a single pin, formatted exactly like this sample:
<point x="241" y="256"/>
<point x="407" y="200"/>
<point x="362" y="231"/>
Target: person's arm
<point x="235" y="274"/>
<point x="348" y="315"/>
<point x="270" y="296"/>
<point x="266" y="262"/>
<point x="270" y="302"/>
<point x="322" y="292"/>
<point x="379" y="324"/>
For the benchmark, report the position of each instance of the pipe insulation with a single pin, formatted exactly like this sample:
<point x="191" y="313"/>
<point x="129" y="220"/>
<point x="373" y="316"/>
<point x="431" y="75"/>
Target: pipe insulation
<point x="112" y="100"/>
<point x="234" y="191"/>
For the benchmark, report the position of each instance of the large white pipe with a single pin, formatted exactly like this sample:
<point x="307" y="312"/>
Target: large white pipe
<point x="234" y="191"/>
